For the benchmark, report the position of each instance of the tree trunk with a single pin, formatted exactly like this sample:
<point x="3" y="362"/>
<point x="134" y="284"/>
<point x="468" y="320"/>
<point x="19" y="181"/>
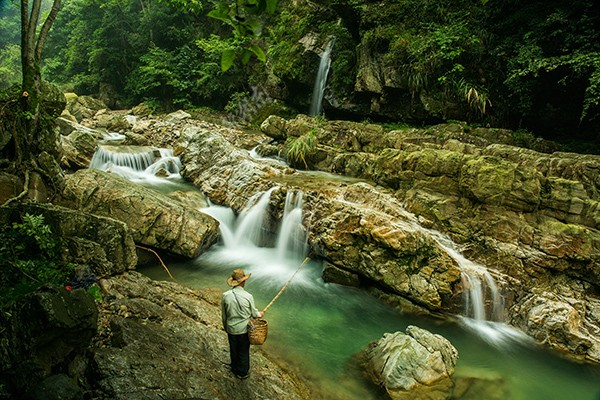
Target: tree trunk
<point x="26" y="141"/>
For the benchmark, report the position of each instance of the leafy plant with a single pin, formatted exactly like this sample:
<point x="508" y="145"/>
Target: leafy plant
<point x="95" y="292"/>
<point x="477" y="98"/>
<point x="29" y="258"/>
<point x="244" y="19"/>
<point x="302" y="147"/>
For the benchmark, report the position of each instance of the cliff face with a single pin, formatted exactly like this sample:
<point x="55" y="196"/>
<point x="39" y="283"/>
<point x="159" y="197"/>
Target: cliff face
<point x="427" y="61"/>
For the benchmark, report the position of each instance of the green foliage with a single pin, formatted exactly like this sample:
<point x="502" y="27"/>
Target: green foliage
<point x="300" y="148"/>
<point x="551" y="53"/>
<point x="285" y="50"/>
<point x="29" y="258"/>
<point x="95" y="292"/>
<point x="245" y="19"/>
<point x="10" y="49"/>
<point x="163" y="52"/>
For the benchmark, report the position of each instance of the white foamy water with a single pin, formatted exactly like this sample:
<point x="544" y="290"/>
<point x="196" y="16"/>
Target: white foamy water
<point x="138" y="164"/>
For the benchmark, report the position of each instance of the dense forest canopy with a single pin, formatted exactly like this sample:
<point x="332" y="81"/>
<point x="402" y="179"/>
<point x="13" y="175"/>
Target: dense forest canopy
<point x="530" y="65"/>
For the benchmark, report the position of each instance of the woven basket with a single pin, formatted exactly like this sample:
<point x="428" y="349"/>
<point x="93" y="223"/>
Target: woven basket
<point x="257" y="331"/>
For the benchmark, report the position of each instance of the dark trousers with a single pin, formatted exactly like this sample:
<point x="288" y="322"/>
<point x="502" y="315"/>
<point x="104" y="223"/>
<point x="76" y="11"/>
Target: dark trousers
<point x="239" y="351"/>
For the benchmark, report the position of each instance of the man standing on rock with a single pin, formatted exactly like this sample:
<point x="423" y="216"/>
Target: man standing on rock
<point x="237" y="307"/>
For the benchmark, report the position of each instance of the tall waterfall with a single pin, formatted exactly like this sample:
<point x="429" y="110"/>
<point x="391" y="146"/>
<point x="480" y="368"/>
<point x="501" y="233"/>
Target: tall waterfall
<point x="316" y="103"/>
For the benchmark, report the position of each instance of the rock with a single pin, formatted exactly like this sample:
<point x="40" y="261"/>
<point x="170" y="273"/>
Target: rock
<point x="113" y="122"/>
<point x="331" y="273"/>
<point x="415" y="365"/>
<point x="42" y="332"/>
<point x="177" y="116"/>
<point x="141" y="110"/>
<point x="58" y="387"/>
<point x="367" y="232"/>
<point x="496" y="181"/>
<point x="153" y="218"/>
<point x="477" y="388"/>
<point x="167" y="341"/>
<point x="103" y="244"/>
<point x="10" y="186"/>
<point x="82" y="107"/>
<point x="561" y="321"/>
<point x="274" y="127"/>
<point x="226" y="174"/>
<point x="78" y="146"/>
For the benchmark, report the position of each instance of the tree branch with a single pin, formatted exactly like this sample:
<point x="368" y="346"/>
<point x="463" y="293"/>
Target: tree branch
<point x="159" y="259"/>
<point x="46" y="28"/>
<point x="23" y="193"/>
<point x="32" y="27"/>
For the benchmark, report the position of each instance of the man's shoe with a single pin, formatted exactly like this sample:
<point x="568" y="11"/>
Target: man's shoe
<point x="242" y="376"/>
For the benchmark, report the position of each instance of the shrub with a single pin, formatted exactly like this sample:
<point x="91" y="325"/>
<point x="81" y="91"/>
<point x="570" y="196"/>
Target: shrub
<point x="29" y="258"/>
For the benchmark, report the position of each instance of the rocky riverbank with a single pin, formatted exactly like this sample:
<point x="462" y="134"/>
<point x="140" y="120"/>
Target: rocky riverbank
<point x="530" y="218"/>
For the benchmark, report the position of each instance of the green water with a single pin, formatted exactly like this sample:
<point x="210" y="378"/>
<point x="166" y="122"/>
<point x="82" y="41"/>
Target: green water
<point x="318" y="328"/>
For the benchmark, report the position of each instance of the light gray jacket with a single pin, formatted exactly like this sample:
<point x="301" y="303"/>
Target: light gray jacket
<point x="237" y="306"/>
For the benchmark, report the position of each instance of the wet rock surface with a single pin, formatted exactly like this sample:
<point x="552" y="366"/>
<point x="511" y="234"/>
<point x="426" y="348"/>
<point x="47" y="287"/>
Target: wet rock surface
<point x="154" y="220"/>
<point x="415" y="365"/>
<point x="163" y="340"/>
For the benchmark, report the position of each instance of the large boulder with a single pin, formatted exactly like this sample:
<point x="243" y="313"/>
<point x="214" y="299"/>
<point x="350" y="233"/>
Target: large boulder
<point x="366" y="231"/>
<point x="154" y="219"/>
<point x="163" y="340"/>
<point x="562" y="321"/>
<point x="415" y="365"/>
<point x="78" y="143"/>
<point x="226" y="174"/>
<point x="42" y="333"/>
<point x="82" y="107"/>
<point x="103" y="244"/>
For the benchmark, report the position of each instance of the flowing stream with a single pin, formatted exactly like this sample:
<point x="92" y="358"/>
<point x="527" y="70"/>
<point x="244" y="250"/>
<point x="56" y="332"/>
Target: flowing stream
<point x="318" y="328"/>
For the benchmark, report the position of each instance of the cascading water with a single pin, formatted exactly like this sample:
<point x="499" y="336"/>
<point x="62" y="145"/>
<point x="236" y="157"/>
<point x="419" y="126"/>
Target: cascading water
<point x="316" y="103"/>
<point x="137" y="163"/>
<point x="479" y="290"/>
<point x="477" y="281"/>
<point x="292" y="237"/>
<point x="483" y="302"/>
<point x="322" y="327"/>
<point x="246" y="231"/>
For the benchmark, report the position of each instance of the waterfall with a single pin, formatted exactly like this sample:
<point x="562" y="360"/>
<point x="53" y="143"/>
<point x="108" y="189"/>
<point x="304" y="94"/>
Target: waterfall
<point x="479" y="291"/>
<point x="292" y="237"/>
<point x="243" y="241"/>
<point x="477" y="282"/>
<point x="248" y="228"/>
<point x="250" y="224"/>
<point x="137" y="163"/>
<point x="319" y="88"/>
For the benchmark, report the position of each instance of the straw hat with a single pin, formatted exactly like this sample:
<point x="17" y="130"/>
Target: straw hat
<point x="237" y="277"/>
